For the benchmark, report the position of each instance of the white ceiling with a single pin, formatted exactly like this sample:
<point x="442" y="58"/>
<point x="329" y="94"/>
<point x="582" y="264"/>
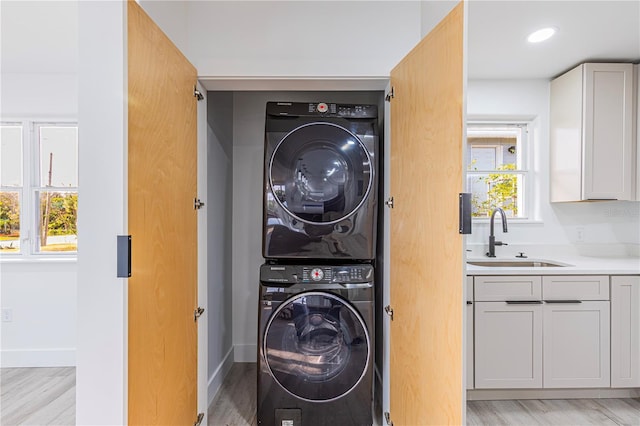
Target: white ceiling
<point x="497" y="47"/>
<point x="587" y="31"/>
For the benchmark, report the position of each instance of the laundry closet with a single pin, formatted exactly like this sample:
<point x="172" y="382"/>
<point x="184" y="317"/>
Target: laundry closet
<point x="235" y="164"/>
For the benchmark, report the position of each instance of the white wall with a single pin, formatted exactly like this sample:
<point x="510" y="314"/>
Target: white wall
<point x="613" y="222"/>
<point x="248" y="160"/>
<point x="432" y="12"/>
<point x="291" y="38"/>
<point x="219" y="215"/>
<point x="42" y="298"/>
<point x="38" y="84"/>
<point x="102" y="325"/>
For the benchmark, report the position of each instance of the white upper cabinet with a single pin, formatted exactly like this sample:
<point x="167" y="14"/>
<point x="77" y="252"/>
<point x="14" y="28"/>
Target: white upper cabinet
<point x="592" y="144"/>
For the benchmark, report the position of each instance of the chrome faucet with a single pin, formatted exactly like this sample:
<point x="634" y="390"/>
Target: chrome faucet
<point x="492" y="239"/>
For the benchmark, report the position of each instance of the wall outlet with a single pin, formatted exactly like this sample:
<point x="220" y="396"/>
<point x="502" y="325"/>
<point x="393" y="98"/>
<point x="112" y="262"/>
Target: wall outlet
<point x="7" y="315"/>
<point x="580" y="234"/>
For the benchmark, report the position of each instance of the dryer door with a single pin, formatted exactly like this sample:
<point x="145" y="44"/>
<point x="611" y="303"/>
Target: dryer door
<point x="316" y="346"/>
<point x="320" y="173"/>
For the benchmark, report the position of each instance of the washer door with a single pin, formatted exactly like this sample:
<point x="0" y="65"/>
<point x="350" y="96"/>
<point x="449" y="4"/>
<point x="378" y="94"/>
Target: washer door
<point x="316" y="346"/>
<point x="320" y="173"/>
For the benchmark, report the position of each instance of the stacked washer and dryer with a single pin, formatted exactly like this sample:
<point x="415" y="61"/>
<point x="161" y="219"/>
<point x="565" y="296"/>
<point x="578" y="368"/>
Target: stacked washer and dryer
<point x="316" y="318"/>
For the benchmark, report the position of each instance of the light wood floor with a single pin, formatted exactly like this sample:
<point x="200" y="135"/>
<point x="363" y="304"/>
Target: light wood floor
<point x="235" y="405"/>
<point x="46" y="396"/>
<point x="38" y="396"/>
<point x="555" y="412"/>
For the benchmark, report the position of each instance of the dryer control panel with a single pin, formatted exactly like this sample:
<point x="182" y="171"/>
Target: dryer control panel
<point x="321" y="109"/>
<point x="316" y="274"/>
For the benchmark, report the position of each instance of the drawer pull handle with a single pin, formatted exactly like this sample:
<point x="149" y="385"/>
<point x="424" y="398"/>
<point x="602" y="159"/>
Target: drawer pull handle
<point x="524" y="302"/>
<point x="563" y="301"/>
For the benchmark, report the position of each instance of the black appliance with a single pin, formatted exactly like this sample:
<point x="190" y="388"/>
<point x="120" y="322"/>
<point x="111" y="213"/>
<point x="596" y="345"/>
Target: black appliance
<point x="315" y="345"/>
<point x="320" y="183"/>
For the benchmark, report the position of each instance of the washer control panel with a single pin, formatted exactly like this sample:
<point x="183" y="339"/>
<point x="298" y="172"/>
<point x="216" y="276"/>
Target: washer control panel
<point x="315" y="274"/>
<point x="337" y="274"/>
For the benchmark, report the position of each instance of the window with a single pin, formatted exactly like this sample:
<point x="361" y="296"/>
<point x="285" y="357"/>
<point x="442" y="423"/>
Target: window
<point x="10" y="186"/>
<point x="497" y="168"/>
<point x="39" y="188"/>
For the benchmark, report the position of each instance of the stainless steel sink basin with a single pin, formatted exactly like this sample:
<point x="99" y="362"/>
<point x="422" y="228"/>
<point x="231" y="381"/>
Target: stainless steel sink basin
<point x="516" y="263"/>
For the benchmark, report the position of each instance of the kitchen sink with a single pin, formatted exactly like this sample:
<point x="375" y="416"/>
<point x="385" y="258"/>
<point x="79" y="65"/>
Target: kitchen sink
<point x="516" y="263"/>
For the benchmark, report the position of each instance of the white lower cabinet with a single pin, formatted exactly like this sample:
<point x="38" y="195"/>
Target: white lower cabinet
<point x="576" y="344"/>
<point x="559" y="336"/>
<point x="625" y="331"/>
<point x="508" y="345"/>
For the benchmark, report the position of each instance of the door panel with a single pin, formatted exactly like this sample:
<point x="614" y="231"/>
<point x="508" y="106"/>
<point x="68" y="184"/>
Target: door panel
<point x="426" y="262"/>
<point x="162" y="165"/>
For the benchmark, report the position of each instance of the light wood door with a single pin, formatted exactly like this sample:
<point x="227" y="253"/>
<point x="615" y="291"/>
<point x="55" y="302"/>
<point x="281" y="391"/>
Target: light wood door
<point x="426" y="261"/>
<point x="508" y="345"/>
<point x="625" y="332"/>
<point x="162" y="158"/>
<point x="576" y="345"/>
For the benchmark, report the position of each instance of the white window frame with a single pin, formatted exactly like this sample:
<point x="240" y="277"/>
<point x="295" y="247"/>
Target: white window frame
<point x="524" y="167"/>
<point x="29" y="192"/>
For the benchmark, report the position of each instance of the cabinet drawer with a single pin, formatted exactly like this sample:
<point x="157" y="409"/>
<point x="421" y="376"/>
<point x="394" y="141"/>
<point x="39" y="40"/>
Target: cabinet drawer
<point x="502" y="288"/>
<point x="584" y="287"/>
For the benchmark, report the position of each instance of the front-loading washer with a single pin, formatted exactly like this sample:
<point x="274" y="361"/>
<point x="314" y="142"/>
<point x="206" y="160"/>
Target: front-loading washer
<point x="316" y="330"/>
<point x="320" y="181"/>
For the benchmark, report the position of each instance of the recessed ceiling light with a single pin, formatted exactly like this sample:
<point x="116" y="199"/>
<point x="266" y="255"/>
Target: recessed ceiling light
<point x="541" y="35"/>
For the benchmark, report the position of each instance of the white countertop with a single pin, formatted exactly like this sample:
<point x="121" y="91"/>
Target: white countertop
<point x="577" y="264"/>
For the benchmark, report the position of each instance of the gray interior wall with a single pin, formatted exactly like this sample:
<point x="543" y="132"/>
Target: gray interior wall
<point x="248" y="145"/>
<point x="219" y="215"/>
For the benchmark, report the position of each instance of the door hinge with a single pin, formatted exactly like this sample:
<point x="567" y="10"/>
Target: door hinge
<point x="198" y="204"/>
<point x="389" y="202"/>
<point x="197" y="94"/>
<point x="387" y="418"/>
<point x="389" y="310"/>
<point x="197" y="313"/>
<point x="199" y="419"/>
<point x="390" y="95"/>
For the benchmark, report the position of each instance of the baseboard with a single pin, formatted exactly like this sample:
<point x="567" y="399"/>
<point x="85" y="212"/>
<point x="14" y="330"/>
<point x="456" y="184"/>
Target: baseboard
<point x="506" y="394"/>
<point x="216" y="379"/>
<point x="245" y="353"/>
<point x="38" y="358"/>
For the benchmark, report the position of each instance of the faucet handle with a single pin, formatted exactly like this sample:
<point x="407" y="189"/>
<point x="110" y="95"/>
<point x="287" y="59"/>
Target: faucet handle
<point x="500" y="243"/>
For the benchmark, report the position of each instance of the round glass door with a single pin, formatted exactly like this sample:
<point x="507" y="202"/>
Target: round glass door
<point x="320" y="173"/>
<point x="316" y="346"/>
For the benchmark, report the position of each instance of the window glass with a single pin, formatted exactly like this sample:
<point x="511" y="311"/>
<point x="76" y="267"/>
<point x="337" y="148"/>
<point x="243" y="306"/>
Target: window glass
<point x="58" y="156"/>
<point x="495" y="173"/>
<point x="9" y="222"/>
<point x="59" y="217"/>
<point x="11" y="155"/>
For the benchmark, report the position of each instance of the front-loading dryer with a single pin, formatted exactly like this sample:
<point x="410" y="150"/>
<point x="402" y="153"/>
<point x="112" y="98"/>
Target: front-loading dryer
<point x="315" y="345"/>
<point x="320" y="181"/>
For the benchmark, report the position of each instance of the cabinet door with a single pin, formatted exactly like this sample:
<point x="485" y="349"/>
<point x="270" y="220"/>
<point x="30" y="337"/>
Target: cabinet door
<point x="469" y="348"/>
<point x="508" y="345"/>
<point x="576" y="345"/>
<point x="426" y="262"/>
<point x="608" y="131"/>
<point x="625" y="332"/>
<point x="162" y="184"/>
